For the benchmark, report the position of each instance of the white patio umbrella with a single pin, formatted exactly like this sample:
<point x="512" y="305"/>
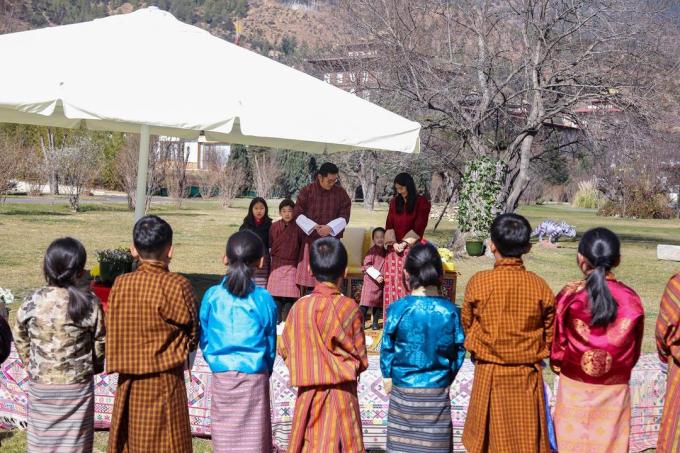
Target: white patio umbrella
<point x="148" y="73"/>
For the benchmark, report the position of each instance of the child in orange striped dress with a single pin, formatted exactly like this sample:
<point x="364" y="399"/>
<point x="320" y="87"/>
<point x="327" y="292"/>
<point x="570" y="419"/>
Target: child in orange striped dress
<point x="324" y="348"/>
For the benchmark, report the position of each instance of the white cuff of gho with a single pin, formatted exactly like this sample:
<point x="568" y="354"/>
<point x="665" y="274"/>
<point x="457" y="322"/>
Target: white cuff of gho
<point x="337" y="225"/>
<point x="305" y="223"/>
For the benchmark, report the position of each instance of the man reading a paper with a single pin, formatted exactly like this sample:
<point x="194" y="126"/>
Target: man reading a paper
<point x="322" y="209"/>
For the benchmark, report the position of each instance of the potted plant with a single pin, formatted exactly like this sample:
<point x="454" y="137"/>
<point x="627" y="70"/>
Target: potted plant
<point x="474" y="245"/>
<point x="478" y="204"/>
<point x="112" y="263"/>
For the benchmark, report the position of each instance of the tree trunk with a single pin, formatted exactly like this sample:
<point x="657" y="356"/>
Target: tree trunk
<point x="532" y="125"/>
<point x="49" y="152"/>
<point x="53" y="181"/>
<point x="74" y="201"/>
<point x="521" y="182"/>
<point x="452" y="192"/>
<point x="369" y="190"/>
<point x="368" y="177"/>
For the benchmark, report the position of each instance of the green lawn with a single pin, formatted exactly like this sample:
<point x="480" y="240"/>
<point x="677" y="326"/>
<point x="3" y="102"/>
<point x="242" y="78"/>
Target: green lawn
<point x="202" y="228"/>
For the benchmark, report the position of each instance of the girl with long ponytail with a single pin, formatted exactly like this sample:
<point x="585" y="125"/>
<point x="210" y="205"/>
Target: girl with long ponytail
<point x="59" y="335"/>
<point x="238" y="340"/>
<point x="597" y="342"/>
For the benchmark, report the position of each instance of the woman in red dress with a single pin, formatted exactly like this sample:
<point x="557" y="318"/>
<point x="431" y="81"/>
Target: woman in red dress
<point x="406" y="222"/>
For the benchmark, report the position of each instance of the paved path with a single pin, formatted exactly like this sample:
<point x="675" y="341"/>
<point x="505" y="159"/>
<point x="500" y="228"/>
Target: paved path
<point x="63" y="199"/>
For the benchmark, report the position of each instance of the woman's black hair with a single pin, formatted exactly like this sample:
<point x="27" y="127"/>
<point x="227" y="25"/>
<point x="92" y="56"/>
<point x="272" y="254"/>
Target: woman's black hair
<point x="63" y="265"/>
<point x="602" y="249"/>
<point x="406" y="180"/>
<point x="250" y="218"/>
<point x="424" y="266"/>
<point x="244" y="250"/>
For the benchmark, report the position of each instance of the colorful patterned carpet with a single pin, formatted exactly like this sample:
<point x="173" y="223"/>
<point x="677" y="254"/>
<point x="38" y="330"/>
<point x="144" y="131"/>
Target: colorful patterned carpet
<point x="648" y="387"/>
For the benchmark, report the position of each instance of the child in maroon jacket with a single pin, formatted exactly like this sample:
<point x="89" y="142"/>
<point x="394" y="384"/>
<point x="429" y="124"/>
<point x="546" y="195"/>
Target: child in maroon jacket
<point x="372" y="289"/>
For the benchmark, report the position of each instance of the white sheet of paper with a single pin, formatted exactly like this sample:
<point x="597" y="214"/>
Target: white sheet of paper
<point x="305" y="223"/>
<point x="337" y="225"/>
<point x="373" y="273"/>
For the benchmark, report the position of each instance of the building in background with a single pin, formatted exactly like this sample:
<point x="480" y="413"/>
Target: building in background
<point x="197" y="154"/>
<point x="352" y="68"/>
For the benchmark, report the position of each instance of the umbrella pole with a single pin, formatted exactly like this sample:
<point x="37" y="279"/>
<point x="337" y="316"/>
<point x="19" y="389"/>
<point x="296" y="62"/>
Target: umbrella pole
<point x="142" y="170"/>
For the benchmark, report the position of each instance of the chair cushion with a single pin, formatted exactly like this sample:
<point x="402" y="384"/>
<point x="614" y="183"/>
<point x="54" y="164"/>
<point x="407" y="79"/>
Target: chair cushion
<point x="353" y="240"/>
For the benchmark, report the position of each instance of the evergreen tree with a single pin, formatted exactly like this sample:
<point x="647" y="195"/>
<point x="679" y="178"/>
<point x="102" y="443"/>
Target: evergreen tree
<point x="295" y="172"/>
<point x="239" y="156"/>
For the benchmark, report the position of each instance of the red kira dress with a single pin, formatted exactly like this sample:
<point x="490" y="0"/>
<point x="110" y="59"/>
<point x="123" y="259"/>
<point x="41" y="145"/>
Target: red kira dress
<point x="595" y="363"/>
<point x="371" y="291"/>
<point x="402" y="224"/>
<point x="285" y="240"/>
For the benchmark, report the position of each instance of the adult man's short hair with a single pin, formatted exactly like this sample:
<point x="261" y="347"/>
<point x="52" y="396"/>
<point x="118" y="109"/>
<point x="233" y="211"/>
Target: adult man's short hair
<point x="328" y="168"/>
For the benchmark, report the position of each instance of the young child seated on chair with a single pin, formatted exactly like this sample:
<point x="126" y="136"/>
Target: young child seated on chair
<point x="372" y="289"/>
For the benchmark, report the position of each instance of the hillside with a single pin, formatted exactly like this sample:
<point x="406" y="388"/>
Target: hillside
<point x="266" y="24"/>
<point x="313" y="28"/>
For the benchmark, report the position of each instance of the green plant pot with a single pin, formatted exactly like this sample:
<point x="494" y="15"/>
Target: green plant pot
<point x="108" y="271"/>
<point x="474" y="248"/>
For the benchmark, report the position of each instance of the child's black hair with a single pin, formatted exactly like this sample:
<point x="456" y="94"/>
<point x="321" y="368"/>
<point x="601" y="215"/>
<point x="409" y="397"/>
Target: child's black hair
<point x="602" y="249"/>
<point x="406" y="180"/>
<point x="328" y="168"/>
<point x="151" y="235"/>
<point x="250" y="218"/>
<point x="377" y="230"/>
<point x="327" y="259"/>
<point x="286" y="202"/>
<point x="424" y="266"/>
<point x="511" y="234"/>
<point x="244" y="250"/>
<point x="63" y="265"/>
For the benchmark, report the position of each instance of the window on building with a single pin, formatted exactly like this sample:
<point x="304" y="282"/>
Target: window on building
<point x="338" y="78"/>
<point x="327" y="77"/>
<point x="353" y="76"/>
<point x="364" y="77"/>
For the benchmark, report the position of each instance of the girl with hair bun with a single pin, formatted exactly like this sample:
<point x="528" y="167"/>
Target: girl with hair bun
<point x="597" y="342"/>
<point x="59" y="335"/>
<point x="238" y="340"/>
<point x="422" y="351"/>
